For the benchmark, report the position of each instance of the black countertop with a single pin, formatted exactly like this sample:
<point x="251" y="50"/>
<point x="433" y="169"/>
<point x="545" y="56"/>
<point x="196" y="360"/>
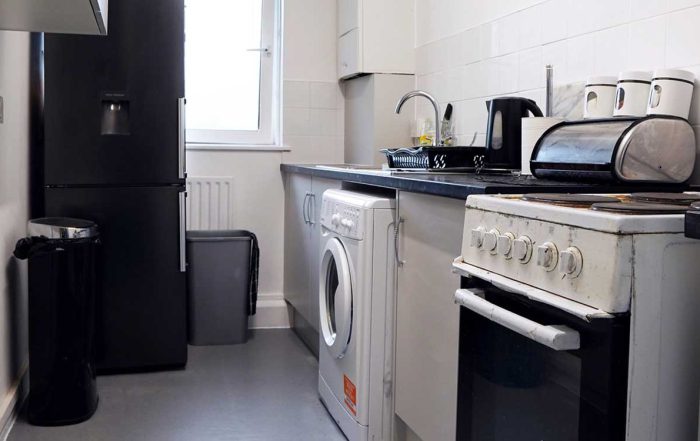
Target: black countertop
<point x="459" y="186"/>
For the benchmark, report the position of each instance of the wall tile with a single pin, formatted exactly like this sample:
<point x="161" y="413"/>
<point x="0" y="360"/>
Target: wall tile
<point x="488" y="41"/>
<point x="322" y="122"/>
<point x="695" y="104"/>
<point x="296" y="122"/>
<point x="531" y="74"/>
<point x="648" y="8"/>
<point x="469" y="46"/>
<point x="323" y="95"/>
<point x="647" y="45"/>
<point x="554" y="18"/>
<point x="555" y="54"/>
<point x="531" y="27"/>
<point x="296" y="94"/>
<point x="580" y="57"/>
<point x="507" y="32"/>
<point x="611" y="50"/>
<point x="683" y="44"/>
<point x="507" y="73"/>
<point x="674" y="5"/>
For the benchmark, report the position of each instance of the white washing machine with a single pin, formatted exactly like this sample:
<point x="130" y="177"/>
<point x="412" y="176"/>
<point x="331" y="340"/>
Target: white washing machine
<point x="356" y="310"/>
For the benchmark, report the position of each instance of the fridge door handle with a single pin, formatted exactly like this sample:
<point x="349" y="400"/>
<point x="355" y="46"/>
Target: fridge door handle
<point x="181" y="138"/>
<point x="557" y="337"/>
<point x="183" y="232"/>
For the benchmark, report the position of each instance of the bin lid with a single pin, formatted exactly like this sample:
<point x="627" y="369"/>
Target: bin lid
<point x="62" y="228"/>
<point x="218" y="235"/>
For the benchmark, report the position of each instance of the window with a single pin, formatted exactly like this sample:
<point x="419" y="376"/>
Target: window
<point x="232" y="72"/>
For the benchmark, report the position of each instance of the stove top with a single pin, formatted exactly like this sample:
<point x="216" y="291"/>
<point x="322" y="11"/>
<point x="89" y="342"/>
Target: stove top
<point x="640" y="208"/>
<point x="568" y="199"/>
<point x="666" y="198"/>
<point x="614" y="213"/>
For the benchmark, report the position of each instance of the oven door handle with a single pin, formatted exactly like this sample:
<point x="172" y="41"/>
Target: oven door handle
<point x="557" y="337"/>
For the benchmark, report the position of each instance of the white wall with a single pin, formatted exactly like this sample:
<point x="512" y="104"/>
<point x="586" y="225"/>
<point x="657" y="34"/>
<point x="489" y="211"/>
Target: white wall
<point x="470" y="50"/>
<point x="312" y="120"/>
<point x="14" y="209"/>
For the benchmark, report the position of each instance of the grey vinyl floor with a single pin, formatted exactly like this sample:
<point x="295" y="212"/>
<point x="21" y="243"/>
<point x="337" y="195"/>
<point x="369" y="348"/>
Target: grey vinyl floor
<point x="265" y="390"/>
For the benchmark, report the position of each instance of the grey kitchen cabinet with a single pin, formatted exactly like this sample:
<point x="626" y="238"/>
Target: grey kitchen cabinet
<point x="427" y="319"/>
<point x="301" y="252"/>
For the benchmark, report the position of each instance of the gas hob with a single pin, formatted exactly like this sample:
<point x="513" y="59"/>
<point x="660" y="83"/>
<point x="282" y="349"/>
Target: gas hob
<point x="583" y="248"/>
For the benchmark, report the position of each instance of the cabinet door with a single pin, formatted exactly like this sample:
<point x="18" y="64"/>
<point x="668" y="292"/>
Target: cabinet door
<point x="318" y="186"/>
<point x="427" y="320"/>
<point x="349" y="56"/>
<point x="297" y="243"/>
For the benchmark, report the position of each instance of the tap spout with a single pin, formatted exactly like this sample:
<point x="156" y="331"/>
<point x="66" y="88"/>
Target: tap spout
<point x="436" y="106"/>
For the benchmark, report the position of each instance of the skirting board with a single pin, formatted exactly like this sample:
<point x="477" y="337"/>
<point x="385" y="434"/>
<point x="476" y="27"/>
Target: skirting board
<point x="271" y="313"/>
<point x="12" y="403"/>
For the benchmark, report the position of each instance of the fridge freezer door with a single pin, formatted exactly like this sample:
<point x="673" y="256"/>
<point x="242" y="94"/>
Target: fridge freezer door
<point x="112" y="103"/>
<point x="141" y="313"/>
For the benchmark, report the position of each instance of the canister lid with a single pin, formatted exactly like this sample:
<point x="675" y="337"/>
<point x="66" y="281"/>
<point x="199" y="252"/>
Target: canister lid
<point x="601" y="81"/>
<point x="674" y="74"/>
<point x="62" y="228"/>
<point x="635" y="75"/>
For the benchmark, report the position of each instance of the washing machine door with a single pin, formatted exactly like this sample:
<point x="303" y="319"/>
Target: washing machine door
<point x="335" y="298"/>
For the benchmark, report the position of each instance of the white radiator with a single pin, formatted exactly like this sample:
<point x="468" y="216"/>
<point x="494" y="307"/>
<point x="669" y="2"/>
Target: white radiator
<point x="210" y="203"/>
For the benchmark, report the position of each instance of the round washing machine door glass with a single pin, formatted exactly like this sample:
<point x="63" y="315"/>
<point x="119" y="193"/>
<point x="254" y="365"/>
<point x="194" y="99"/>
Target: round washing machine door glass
<point x="335" y="298"/>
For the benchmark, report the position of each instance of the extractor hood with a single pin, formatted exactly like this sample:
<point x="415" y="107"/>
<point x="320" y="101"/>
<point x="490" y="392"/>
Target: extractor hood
<point x="55" y="16"/>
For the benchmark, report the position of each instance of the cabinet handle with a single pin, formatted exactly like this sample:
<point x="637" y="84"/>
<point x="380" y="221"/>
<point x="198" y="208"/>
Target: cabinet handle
<point x="397" y="228"/>
<point x="312" y="208"/>
<point x="304" y="208"/>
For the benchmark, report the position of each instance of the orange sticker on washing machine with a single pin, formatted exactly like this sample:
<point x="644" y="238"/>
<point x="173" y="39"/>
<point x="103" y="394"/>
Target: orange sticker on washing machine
<point x="350" y="395"/>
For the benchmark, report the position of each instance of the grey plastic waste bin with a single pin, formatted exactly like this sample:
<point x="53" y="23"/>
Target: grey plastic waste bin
<point x="221" y="285"/>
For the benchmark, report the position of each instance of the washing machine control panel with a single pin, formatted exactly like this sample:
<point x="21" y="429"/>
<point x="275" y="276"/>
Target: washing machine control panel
<point x="344" y="219"/>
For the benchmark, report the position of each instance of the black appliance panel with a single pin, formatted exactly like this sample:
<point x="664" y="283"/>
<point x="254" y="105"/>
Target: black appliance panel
<point x="512" y="388"/>
<point x="141" y="318"/>
<point x="111" y="103"/>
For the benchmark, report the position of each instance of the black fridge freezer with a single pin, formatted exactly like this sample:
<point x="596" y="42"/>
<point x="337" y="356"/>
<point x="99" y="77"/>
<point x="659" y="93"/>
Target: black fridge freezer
<point x="114" y="153"/>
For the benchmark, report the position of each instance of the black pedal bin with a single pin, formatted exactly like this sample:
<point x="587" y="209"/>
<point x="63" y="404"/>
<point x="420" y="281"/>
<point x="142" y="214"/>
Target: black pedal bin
<point x="62" y="293"/>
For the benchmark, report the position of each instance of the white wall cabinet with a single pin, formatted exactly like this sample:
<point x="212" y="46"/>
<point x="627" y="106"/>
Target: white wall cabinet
<point x="375" y="36"/>
<point x="55" y="16"/>
<point x="302" y="251"/>
<point x="427" y="319"/>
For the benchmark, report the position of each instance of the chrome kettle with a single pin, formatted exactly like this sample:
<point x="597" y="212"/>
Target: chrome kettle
<point x="504" y="131"/>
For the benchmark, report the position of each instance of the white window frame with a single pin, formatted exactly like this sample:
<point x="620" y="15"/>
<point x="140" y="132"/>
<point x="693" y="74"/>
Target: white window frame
<point x="269" y="133"/>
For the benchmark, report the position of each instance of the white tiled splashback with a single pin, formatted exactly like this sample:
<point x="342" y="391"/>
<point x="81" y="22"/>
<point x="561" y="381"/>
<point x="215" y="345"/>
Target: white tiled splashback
<point x="313" y="121"/>
<point x="471" y="50"/>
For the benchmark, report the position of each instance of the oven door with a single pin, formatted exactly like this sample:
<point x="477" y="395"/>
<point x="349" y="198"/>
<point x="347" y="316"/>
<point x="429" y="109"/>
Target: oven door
<point x="532" y="372"/>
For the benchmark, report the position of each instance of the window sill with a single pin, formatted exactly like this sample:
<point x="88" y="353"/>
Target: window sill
<point x="238" y="147"/>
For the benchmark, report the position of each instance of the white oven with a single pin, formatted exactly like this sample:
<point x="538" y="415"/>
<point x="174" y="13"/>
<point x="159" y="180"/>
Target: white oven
<point x="577" y="324"/>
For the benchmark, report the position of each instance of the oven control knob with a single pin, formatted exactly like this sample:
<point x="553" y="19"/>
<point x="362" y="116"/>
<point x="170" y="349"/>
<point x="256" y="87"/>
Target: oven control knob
<point x="571" y="262"/>
<point x="505" y="245"/>
<point x="477" y="237"/>
<point x="547" y="256"/>
<point x="491" y="240"/>
<point x="522" y="249"/>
